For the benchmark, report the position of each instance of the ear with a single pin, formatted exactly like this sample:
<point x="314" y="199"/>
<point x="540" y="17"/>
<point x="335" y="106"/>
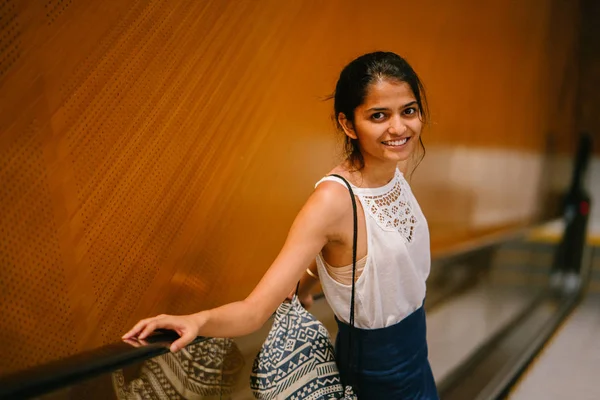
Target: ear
<point x="347" y="126"/>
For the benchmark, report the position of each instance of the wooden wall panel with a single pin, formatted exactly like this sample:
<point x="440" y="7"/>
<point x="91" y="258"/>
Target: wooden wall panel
<point x="154" y="153"/>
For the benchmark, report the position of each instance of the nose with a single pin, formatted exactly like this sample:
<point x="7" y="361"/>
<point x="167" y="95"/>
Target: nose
<point x="397" y="126"/>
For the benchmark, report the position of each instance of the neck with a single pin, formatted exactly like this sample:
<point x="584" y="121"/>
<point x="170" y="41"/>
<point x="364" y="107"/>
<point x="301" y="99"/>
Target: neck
<point x="376" y="173"/>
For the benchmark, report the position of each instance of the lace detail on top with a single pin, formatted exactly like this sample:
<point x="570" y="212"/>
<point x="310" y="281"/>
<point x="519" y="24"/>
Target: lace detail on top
<point x="393" y="210"/>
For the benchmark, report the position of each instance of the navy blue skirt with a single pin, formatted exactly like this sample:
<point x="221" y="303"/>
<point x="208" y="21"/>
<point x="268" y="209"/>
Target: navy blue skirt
<point x="389" y="363"/>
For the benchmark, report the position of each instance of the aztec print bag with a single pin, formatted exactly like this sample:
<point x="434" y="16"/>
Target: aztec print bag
<point x="297" y="360"/>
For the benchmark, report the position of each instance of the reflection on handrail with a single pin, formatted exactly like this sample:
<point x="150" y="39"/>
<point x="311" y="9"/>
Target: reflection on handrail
<point x="61" y="373"/>
<point x="201" y="370"/>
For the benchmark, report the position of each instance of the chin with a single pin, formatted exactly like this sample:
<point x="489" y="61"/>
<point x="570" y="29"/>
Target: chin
<point x="399" y="157"/>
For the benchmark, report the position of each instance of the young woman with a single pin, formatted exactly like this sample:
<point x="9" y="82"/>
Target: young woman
<point x="380" y="107"/>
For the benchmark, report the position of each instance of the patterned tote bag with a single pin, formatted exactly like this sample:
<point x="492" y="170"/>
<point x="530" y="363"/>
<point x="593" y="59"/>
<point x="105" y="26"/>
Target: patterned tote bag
<point x="297" y="360"/>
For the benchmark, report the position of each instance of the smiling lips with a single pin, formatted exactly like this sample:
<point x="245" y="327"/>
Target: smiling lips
<point x="396" y="143"/>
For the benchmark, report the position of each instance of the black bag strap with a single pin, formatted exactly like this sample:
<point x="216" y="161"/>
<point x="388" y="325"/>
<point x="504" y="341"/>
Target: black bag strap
<point x="354" y="246"/>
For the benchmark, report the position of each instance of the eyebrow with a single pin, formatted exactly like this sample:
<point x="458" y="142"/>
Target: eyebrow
<point x="385" y="108"/>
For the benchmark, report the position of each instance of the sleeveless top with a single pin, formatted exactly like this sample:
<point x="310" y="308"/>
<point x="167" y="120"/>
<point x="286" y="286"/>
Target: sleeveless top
<point x="392" y="283"/>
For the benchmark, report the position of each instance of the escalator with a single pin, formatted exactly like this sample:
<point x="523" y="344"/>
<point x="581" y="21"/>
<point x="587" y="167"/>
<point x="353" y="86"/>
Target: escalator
<point x="504" y="282"/>
<point x="490" y="372"/>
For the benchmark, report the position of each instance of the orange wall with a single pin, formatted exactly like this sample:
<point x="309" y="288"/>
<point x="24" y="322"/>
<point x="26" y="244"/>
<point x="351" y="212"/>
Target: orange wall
<point x="153" y="154"/>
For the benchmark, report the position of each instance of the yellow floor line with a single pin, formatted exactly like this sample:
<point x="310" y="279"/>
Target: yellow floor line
<point x="551" y="237"/>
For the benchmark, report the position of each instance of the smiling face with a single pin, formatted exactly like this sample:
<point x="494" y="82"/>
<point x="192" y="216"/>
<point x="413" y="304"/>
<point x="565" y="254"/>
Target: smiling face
<point x="387" y="124"/>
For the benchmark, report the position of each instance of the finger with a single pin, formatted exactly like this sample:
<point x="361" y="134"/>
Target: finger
<point x="160" y="322"/>
<point x="183" y="341"/>
<point x="149" y="328"/>
<point x="132" y="342"/>
<point x="141" y="325"/>
<point x="136" y="329"/>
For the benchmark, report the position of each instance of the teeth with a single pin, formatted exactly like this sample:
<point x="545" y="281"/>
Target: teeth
<point x="396" y="142"/>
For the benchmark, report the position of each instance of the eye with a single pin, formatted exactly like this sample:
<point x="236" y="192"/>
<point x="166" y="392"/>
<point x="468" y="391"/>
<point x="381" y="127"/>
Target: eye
<point x="410" y="111"/>
<point x="378" y="116"/>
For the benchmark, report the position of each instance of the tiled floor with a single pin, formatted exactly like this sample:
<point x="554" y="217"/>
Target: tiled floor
<point x="569" y="366"/>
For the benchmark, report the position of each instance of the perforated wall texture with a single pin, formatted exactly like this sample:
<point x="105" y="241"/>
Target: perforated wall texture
<point x="10" y="49"/>
<point x="35" y="304"/>
<point x="154" y="153"/>
<point x="54" y="9"/>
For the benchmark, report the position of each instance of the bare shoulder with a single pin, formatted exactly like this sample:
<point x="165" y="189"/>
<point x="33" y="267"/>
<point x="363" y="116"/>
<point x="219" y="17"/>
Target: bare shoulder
<point x="331" y="199"/>
<point x="328" y="205"/>
<point x="327" y="209"/>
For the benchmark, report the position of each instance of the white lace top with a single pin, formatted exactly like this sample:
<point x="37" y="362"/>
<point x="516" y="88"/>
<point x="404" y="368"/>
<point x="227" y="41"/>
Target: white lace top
<point x="392" y="283"/>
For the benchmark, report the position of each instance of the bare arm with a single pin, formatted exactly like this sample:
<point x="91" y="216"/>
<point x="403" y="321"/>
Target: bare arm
<point x="307" y="283"/>
<point x="306" y="238"/>
<point x="311" y="230"/>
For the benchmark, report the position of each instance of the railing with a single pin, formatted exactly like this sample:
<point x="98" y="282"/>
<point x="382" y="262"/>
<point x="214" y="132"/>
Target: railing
<point x="60" y="373"/>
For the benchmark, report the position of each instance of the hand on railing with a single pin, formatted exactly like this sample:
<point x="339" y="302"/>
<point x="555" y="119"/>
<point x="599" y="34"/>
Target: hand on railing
<point x="184" y="325"/>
